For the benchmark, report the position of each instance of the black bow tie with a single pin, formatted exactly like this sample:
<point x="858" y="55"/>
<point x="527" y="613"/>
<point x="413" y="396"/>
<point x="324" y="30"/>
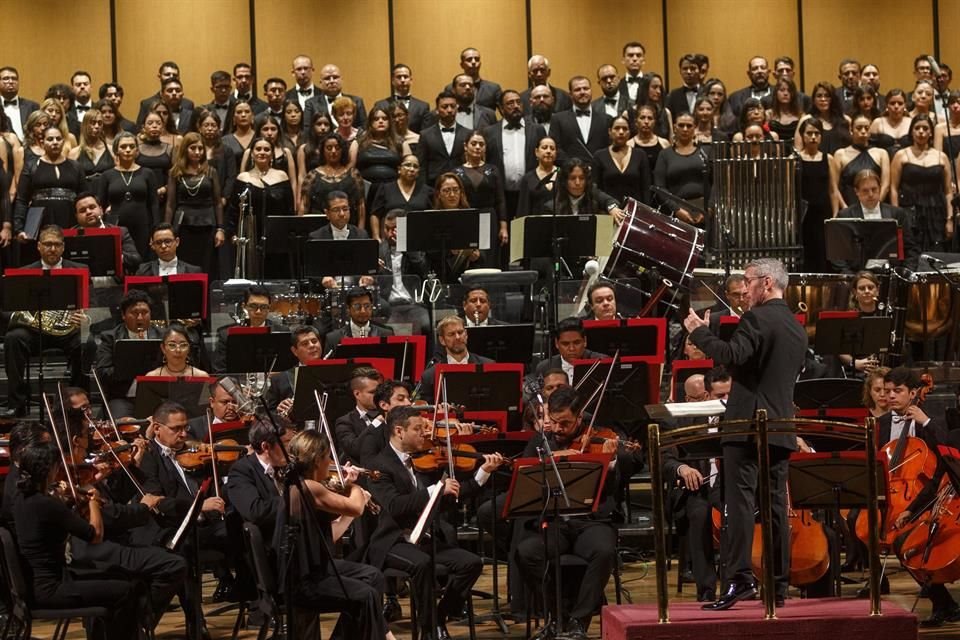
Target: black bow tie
<point x="691" y="89"/>
<point x="82" y="108"/>
<point x="402" y="98"/>
<point x="10" y="103"/>
<point x="305" y="92"/>
<point x="583" y="112"/>
<point x="447" y="129"/>
<point x="632" y="79"/>
<point x="243" y="96"/>
<point x="466" y="110"/>
<point x="518" y="125"/>
<point x="612" y="101"/>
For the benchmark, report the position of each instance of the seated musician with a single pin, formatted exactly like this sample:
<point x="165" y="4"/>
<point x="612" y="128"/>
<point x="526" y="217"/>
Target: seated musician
<point x="571" y="343"/>
<point x="223" y="408"/>
<point x="175" y="349"/>
<point x="337" y="210"/>
<point x="136" y="325"/>
<point x="22" y="435"/>
<point x="397" y="265"/>
<point x="593" y="537"/>
<point x="43" y="523"/>
<point x="603" y="301"/>
<point x="866" y="184"/>
<point x="476" y="308"/>
<point x="307" y="345"/>
<point x="254" y="488"/>
<point x="735" y="298"/>
<point x="348" y="429"/>
<point x="164" y="241"/>
<point x="388" y="395"/>
<point x="256" y="307"/>
<point x="401" y="492"/>
<point x="90" y="216"/>
<point x="23" y="340"/>
<point x="452" y="337"/>
<point x="360" y="308"/>
<point x="357" y="587"/>
<point x="902" y="386"/>
<point x="162" y="475"/>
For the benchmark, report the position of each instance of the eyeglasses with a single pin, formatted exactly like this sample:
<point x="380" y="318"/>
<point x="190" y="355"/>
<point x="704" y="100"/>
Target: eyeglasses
<point x="177" y="346"/>
<point x="257" y="307"/>
<point x="339" y="210"/>
<point x="180" y="428"/>
<point x="361" y="306"/>
<point x="164" y="242"/>
<point x="447" y="191"/>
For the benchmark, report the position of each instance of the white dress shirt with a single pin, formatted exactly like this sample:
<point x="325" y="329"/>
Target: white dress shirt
<point x="448" y="137"/>
<point x="340" y="234"/>
<point x="12" y="109"/>
<point x="514" y="163"/>
<point x="168" y="268"/>
<point x="583" y="122"/>
<point x="871" y="214"/>
<point x="357" y="331"/>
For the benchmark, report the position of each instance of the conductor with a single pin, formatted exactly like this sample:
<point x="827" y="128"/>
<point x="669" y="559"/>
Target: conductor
<point x="765" y="356"/>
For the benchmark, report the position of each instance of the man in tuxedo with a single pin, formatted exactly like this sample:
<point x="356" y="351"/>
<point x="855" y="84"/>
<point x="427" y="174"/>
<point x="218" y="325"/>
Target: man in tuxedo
<point x="870" y="74"/>
<point x="168" y="70"/>
<point x="401" y="80"/>
<point x="403" y="494"/>
<point x="849" y="75"/>
<point x="511" y="146"/>
<point x="331" y="83"/>
<point x="783" y="68"/>
<point x="164" y="242"/>
<point x="487" y="92"/>
<point x="866" y="184"/>
<point x="541" y="107"/>
<point x="112" y="92"/>
<point x="397" y="265"/>
<point x="16" y="108"/>
<point x="758" y="70"/>
<point x="254" y="488"/>
<point x="735" y="294"/>
<point x="223" y="408"/>
<point x="452" y="337"/>
<point x="22" y="341"/>
<point x="613" y="102"/>
<point x="171" y="94"/>
<point x="388" y="395"/>
<point x="243" y="87"/>
<point x="90" y="216"/>
<point x="901" y="385"/>
<point x="256" y="309"/>
<point x="349" y="428"/>
<point x="441" y="145"/>
<point x="476" y="309"/>
<point x="470" y="113"/>
<point x="337" y="210"/>
<point x="538" y="75"/>
<point x="582" y="131"/>
<point x="135" y="325"/>
<point x="634" y="57"/>
<point x="80" y="84"/>
<point x="304" y="90"/>
<point x="603" y="301"/>
<point x="570" y="340"/>
<point x="275" y="91"/>
<point x="360" y="309"/>
<point x="307" y="345"/>
<point x="223" y="100"/>
<point x="765" y="355"/>
<point x="682" y="99"/>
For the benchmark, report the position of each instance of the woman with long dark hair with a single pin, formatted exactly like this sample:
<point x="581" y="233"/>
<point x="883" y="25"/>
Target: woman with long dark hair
<point x="577" y="194"/>
<point x="449" y="193"/>
<point x="891" y="131"/>
<point x="651" y="92"/>
<point x="310" y="153"/>
<point x="483" y="186"/>
<point x="129" y="191"/>
<point x="785" y="112"/>
<point x="333" y="175"/>
<point x="826" y="108"/>
<point x="621" y="170"/>
<point x="818" y="177"/>
<point x="859" y="156"/>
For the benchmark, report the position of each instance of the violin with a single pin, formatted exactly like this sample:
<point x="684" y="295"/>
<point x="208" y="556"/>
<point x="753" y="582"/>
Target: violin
<point x="592" y="441"/>
<point x="372" y="474"/>
<point x="196" y="455"/>
<point x="128" y="428"/>
<point x="332" y="483"/>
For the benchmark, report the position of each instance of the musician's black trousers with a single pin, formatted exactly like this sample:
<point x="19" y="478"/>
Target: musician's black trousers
<point x="19" y="344"/>
<point x="361" y="607"/>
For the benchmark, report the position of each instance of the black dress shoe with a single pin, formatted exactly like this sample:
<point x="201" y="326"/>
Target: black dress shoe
<point x="574" y="630"/>
<point x="442" y="633"/>
<point x="392" y="611"/>
<point x="779" y="601"/>
<point x="706" y="595"/>
<point x="12" y="413"/>
<point x="734" y="594"/>
<point x="884" y="589"/>
<point x="226" y="590"/>
<point x="941" y="616"/>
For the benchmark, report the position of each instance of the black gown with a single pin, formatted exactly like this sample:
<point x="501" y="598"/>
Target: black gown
<point x="53" y="187"/>
<point x="132" y="200"/>
<point x="390" y="197"/>
<point x="633" y="182"/>
<point x="315" y="188"/>
<point x="194" y="215"/>
<point x="484" y="190"/>
<point x="93" y="171"/>
<point x="815" y="192"/>
<point x="851" y="169"/>
<point x="784" y="131"/>
<point x="685" y="176"/>
<point x="536" y="194"/>
<point x="652" y="152"/>
<point x="890" y="144"/>
<point x="158" y="157"/>
<point x="921" y="189"/>
<point x="834" y="139"/>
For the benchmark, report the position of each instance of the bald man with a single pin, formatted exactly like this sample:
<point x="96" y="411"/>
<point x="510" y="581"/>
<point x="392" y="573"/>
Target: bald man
<point x="331" y="88"/>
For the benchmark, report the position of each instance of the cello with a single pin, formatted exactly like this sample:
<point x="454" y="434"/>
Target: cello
<point x="931" y="549"/>
<point x="910" y="465"/>
<point x="809" y="549"/>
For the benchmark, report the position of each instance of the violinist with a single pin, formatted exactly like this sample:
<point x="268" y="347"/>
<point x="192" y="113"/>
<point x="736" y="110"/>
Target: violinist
<point x="593" y="538"/>
<point x="452" y="336"/>
<point x="348" y="429"/>
<point x="476" y="308"/>
<point x="43" y="523"/>
<point x="570" y="341"/>
<point x="254" y="487"/>
<point x="256" y="309"/>
<point x="23" y="434"/>
<point x="162" y="475"/>
<point x="136" y="325"/>
<point x="764" y="355"/>
<point x="307" y="345"/>
<point x="387" y="396"/>
<point x="401" y="491"/>
<point x="315" y="583"/>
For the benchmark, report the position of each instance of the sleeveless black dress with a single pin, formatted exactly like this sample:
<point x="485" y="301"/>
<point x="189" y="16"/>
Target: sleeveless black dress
<point x="815" y="192"/>
<point x="851" y="169"/>
<point x="921" y="189"/>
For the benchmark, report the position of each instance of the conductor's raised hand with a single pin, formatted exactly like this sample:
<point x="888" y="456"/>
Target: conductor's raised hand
<point x="693" y="321"/>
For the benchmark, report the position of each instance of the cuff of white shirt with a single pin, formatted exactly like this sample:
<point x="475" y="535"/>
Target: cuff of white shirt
<point x="481" y="476"/>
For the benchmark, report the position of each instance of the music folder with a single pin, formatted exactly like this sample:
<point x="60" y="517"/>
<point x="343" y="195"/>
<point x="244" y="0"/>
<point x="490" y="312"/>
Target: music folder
<point x="429" y="511"/>
<point x="99" y="249"/>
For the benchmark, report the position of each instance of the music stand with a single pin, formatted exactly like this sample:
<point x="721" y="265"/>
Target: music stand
<point x="853" y="241"/>
<point x="331" y="377"/>
<point x="633" y="337"/>
<point x="407" y="352"/>
<point x="860" y="335"/>
<point x="447" y="230"/>
<point x="258" y="349"/>
<point x="502" y="342"/>
<point x="132" y="357"/>
<point x="484" y="387"/>
<point x="39" y="290"/>
<point x="191" y="392"/>
<point x="576" y="236"/>
<point x="630" y="389"/>
<point x="826" y="398"/>
<point x="98" y="249"/>
<point x="349" y="257"/>
<point x="173" y="298"/>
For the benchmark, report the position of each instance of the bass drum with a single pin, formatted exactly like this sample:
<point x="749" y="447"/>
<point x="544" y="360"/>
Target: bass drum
<point x="648" y="240"/>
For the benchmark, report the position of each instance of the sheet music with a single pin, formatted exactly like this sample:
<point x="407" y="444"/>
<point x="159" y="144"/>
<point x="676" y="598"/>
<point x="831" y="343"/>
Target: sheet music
<point x="188" y="519"/>
<point x="695" y="409"/>
<point x="435" y="492"/>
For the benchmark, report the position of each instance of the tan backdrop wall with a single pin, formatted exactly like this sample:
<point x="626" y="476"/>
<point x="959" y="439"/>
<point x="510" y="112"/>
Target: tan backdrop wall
<point x="577" y="36"/>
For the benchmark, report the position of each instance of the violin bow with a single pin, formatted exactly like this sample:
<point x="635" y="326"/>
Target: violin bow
<point x="326" y="430"/>
<point x="66" y="422"/>
<point x="446" y="417"/>
<point x="106" y="405"/>
<point x="133" y="480"/>
<point x="213" y="454"/>
<point x="63" y="456"/>
<point x="596" y="410"/>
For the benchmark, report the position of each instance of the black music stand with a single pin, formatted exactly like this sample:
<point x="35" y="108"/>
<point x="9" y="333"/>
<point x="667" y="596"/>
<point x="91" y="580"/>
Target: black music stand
<point x="567" y="486"/>
<point x="484" y="390"/>
<point x="98" y="249"/>
<point x="341" y="258"/>
<point x="627" y="394"/>
<point x="629" y="340"/>
<point x="403" y="354"/>
<point x="851" y="242"/>
<point x="832" y="481"/>
<point x="824" y="394"/>
<point x="133" y="357"/>
<point x="192" y="393"/>
<point x="447" y="229"/>
<point x="502" y="342"/>
<point x="332" y="378"/>
<point x="865" y="334"/>
<point x="174" y="298"/>
<point x="286" y="235"/>
<point x="45" y="290"/>
<point x="258" y="351"/>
